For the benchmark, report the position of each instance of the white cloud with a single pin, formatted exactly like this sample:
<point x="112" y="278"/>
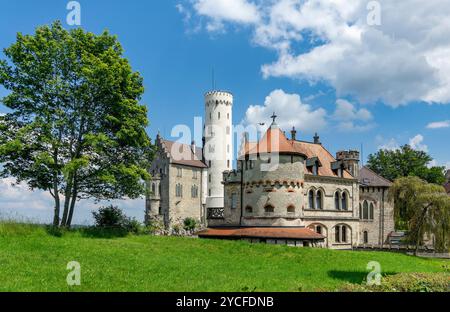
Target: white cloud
<point x="351" y="119"/>
<point x="291" y="111"/>
<point x="404" y="59"/>
<point x="439" y="124"/>
<point x="417" y="143"/>
<point x="391" y="145"/>
<point x="219" y="11"/>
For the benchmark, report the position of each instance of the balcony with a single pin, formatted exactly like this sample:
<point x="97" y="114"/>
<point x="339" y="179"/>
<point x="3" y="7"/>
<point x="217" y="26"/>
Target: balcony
<point x="215" y="213"/>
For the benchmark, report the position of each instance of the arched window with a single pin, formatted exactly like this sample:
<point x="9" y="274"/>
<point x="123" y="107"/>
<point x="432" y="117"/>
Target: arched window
<point x="291" y="209"/>
<point x="365" y="210"/>
<point x="319" y="199"/>
<point x="269" y="209"/>
<point x="371" y="211"/>
<point x="336" y="201"/>
<point x="366" y="237"/>
<point x="360" y="211"/>
<point x="343" y="234"/>
<point x="337" y="234"/>
<point x="319" y="229"/>
<point x="344" y="201"/>
<point x="248" y="209"/>
<point x="153" y="188"/>
<point x="311" y="199"/>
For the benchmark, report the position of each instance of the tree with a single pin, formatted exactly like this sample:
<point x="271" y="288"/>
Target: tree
<point x="404" y="162"/>
<point x="424" y="208"/>
<point x="76" y="128"/>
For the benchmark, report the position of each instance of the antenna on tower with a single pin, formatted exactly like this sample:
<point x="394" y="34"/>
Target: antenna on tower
<point x="213" y="80"/>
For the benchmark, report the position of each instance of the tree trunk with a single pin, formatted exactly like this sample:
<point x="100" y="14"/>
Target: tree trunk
<point x="67" y="194"/>
<point x="57" y="204"/>
<point x="74" y="199"/>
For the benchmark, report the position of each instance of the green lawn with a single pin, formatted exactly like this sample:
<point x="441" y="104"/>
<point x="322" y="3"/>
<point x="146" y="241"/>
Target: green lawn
<point x="33" y="260"/>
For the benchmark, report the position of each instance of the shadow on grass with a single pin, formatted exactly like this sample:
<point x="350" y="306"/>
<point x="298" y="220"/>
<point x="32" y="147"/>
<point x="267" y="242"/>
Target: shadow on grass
<point x="103" y="232"/>
<point x="89" y="232"/>
<point x="354" y="277"/>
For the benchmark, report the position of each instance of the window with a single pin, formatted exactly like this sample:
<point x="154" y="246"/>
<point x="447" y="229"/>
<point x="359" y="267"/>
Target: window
<point x="209" y="192"/>
<point x="340" y="234"/>
<point x="209" y="178"/>
<point x="234" y="198"/>
<point x="210" y="116"/>
<point x="371" y="211"/>
<point x="228" y="116"/>
<point x="194" y="174"/>
<point x="228" y="164"/>
<point x="160" y="211"/>
<point x="178" y="190"/>
<point x="360" y="211"/>
<point x="269" y="209"/>
<point x="218" y="115"/>
<point x="209" y="163"/>
<point x="228" y="148"/>
<point x="319" y="199"/>
<point x="319" y="229"/>
<point x="311" y="199"/>
<point x="343" y="234"/>
<point x="248" y="209"/>
<point x="366" y="237"/>
<point x="336" y="201"/>
<point x="179" y="172"/>
<point x="315" y="169"/>
<point x="365" y="210"/>
<point x="194" y="191"/>
<point x="344" y="201"/>
<point x="153" y="188"/>
<point x="291" y="210"/>
<point x="337" y="234"/>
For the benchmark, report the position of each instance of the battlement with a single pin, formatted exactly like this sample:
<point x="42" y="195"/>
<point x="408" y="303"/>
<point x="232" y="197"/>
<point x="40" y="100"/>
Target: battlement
<point x="218" y="97"/>
<point x="348" y="155"/>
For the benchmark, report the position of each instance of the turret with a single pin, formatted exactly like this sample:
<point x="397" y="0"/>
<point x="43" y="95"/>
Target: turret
<point x="218" y="148"/>
<point x="350" y="160"/>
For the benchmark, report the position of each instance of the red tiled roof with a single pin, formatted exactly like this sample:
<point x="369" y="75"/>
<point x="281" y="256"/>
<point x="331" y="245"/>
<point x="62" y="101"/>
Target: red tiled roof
<point x="262" y="232"/>
<point x="317" y="150"/>
<point x="182" y="154"/>
<point x="273" y="141"/>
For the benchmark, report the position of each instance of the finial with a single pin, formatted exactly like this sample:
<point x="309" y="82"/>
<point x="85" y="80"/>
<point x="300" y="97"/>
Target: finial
<point x="316" y="139"/>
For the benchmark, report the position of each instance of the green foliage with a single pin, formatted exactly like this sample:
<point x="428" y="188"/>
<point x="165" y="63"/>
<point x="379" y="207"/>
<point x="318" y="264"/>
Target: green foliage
<point x="406" y="282"/>
<point x="112" y="217"/>
<point x="190" y="224"/>
<point x="76" y="128"/>
<point x="405" y="162"/>
<point x="424" y="208"/>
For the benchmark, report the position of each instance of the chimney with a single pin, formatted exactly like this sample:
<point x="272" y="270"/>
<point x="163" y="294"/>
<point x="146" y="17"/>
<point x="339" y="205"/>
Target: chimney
<point x="293" y="134"/>
<point x="193" y="149"/>
<point x="316" y="139"/>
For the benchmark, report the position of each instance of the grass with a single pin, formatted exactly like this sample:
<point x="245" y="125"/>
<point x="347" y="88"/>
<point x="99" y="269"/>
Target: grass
<point x="35" y="259"/>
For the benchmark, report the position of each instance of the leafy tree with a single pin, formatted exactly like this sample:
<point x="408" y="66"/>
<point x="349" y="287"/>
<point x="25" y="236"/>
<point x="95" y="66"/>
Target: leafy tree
<point x="424" y="208"/>
<point x="76" y="128"/>
<point x="405" y="162"/>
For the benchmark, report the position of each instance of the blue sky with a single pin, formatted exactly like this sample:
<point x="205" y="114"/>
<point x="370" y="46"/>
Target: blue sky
<point x="376" y="94"/>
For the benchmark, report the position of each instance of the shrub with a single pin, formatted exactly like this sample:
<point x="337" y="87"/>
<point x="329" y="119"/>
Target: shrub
<point x="112" y="217"/>
<point x="189" y="224"/>
<point x="407" y="282"/>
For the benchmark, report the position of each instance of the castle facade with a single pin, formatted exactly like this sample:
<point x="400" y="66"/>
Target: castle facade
<point x="284" y="190"/>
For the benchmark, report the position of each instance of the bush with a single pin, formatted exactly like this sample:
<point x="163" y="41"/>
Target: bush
<point x="407" y="282"/>
<point x="113" y="217"/>
<point x="189" y="224"/>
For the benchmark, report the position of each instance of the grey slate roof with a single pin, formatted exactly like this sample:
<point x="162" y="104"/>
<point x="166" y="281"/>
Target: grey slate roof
<point x="369" y="178"/>
<point x="185" y="155"/>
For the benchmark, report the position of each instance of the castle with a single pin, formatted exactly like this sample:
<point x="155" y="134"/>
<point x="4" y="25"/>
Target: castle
<point x="284" y="190"/>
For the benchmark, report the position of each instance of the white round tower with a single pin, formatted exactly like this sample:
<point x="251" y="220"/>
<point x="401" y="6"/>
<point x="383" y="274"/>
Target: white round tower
<point x="218" y="147"/>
